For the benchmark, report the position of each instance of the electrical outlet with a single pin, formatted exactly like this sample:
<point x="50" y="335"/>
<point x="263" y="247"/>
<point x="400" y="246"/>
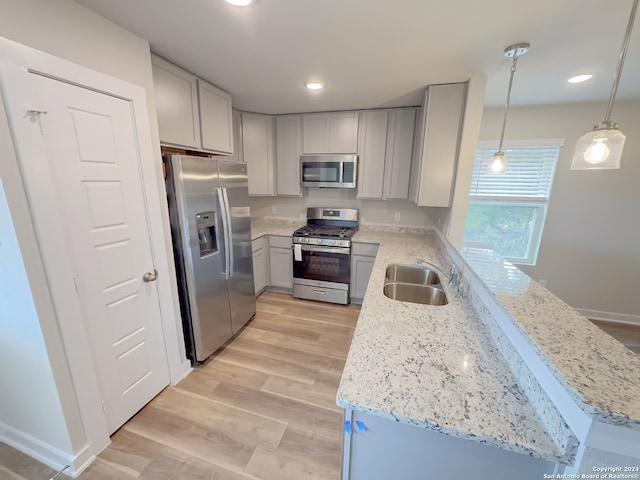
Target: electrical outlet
<point x="396" y="217"/>
<point x="274" y="210"/>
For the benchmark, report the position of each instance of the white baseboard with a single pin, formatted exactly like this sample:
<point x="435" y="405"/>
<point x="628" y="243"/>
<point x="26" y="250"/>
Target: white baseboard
<point x="610" y="316"/>
<point x="37" y="449"/>
<point x="185" y="370"/>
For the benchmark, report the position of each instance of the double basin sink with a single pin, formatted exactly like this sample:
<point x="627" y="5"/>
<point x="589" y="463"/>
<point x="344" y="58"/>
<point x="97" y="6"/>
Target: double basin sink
<point x="413" y="283"/>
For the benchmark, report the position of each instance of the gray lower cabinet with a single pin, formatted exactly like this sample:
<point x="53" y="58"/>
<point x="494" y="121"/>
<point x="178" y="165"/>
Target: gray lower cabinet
<point x="388" y="449"/>
<point x="363" y="255"/>
<point x="260" y="263"/>
<point x="281" y="263"/>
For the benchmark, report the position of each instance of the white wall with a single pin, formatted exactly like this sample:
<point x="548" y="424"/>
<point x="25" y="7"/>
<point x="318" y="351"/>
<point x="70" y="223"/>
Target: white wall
<point x="71" y="31"/>
<point x="29" y="402"/>
<point x="590" y="250"/>
<point x="372" y="212"/>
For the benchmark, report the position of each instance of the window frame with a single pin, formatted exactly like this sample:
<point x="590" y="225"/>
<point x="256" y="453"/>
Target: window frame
<point x="540" y="203"/>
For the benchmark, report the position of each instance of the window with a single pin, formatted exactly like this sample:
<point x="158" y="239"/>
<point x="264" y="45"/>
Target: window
<point x="506" y="212"/>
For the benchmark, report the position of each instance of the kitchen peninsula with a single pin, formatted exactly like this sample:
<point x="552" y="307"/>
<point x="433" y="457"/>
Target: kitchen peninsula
<point x="455" y="378"/>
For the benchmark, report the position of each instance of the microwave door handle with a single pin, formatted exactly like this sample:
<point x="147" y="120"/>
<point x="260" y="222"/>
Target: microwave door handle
<point x="223" y="216"/>
<point x="229" y="239"/>
<point x="341" y="173"/>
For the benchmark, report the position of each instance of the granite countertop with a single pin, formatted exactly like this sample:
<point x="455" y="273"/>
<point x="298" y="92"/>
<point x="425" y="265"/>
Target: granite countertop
<point x="435" y="367"/>
<point x="597" y="371"/>
<point x="275" y="226"/>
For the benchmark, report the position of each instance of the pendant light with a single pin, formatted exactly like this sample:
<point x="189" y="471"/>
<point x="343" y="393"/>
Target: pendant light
<point x="602" y="148"/>
<point x="498" y="161"/>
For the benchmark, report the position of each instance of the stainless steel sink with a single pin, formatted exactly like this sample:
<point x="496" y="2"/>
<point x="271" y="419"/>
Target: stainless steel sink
<point x="411" y="274"/>
<point x="411" y="292"/>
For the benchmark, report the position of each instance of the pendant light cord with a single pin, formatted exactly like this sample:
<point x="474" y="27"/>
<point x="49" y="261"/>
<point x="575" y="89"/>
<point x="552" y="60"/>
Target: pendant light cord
<point x="621" y="58"/>
<point x="508" y="101"/>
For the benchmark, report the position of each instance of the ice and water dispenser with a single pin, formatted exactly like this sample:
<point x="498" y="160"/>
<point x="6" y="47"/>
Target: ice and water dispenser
<point x="206" y="226"/>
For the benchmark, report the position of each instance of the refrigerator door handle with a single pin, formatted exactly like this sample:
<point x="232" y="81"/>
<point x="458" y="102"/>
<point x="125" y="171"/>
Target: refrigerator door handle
<point x="222" y="209"/>
<point x="229" y="231"/>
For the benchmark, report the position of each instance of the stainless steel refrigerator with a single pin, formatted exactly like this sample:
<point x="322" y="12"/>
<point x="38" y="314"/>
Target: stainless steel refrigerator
<point x="211" y="230"/>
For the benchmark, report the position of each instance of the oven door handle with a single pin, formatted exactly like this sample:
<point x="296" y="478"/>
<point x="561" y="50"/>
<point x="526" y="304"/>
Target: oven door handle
<point x="316" y="248"/>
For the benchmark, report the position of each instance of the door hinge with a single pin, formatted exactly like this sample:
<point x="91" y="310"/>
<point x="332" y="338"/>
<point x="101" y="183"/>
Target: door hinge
<point x="104" y="408"/>
<point x="35" y="115"/>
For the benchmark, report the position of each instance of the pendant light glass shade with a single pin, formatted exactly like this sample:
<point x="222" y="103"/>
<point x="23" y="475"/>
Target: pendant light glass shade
<point x="497" y="163"/>
<point x="600" y="149"/>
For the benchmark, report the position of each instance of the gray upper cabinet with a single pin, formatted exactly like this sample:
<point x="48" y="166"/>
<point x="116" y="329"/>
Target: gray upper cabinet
<point x="330" y="133"/>
<point x="216" y="124"/>
<point x="191" y="112"/>
<point x="258" y="149"/>
<point x="439" y="132"/>
<point x="371" y="149"/>
<point x="288" y="151"/>
<point x="399" y="153"/>
<point x="385" y="148"/>
<point x="176" y="95"/>
<point x="237" y="155"/>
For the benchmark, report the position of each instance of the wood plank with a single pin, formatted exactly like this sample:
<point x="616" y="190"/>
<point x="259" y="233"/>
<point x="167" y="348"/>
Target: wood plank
<point x="204" y="380"/>
<point x="336" y="314"/>
<point x="326" y="344"/>
<point x="102" y="470"/>
<point x="272" y="464"/>
<point x="130" y="453"/>
<point x="236" y="427"/>
<point x="293" y="355"/>
<point x="298" y="327"/>
<point x="320" y="393"/>
<point x="180" y="434"/>
<point x="304" y="416"/>
<point x="261" y="409"/>
<point x="175" y="465"/>
<point x="266" y="364"/>
<point x="15" y="464"/>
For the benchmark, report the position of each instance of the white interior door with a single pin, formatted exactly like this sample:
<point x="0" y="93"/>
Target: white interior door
<point x="92" y="148"/>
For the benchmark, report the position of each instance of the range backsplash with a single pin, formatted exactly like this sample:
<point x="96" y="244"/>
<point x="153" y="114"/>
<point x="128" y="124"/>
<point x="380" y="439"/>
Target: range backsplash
<point x="372" y="212"/>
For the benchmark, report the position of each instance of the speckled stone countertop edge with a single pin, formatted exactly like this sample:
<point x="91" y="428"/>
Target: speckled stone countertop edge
<point x="274" y="226"/>
<point x="514" y="308"/>
<point x="352" y="396"/>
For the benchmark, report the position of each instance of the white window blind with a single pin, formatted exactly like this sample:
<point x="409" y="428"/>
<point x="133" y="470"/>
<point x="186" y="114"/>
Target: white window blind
<point x="529" y="173"/>
<point x="507" y="211"/>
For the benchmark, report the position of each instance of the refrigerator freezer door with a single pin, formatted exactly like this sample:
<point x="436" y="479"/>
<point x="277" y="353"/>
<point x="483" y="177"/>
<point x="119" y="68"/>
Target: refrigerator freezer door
<point x="242" y="298"/>
<point x="196" y="183"/>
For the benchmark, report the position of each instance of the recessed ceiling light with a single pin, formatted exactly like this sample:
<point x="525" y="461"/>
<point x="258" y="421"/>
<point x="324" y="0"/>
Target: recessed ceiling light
<point x="239" y="3"/>
<point x="315" y="85"/>
<point x="580" y="78"/>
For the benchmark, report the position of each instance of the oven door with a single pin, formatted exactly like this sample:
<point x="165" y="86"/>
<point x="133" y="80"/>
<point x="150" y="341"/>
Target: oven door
<point x="316" y="265"/>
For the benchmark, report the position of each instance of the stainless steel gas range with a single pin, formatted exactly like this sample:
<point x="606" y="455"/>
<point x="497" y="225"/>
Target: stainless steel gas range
<point x="322" y="255"/>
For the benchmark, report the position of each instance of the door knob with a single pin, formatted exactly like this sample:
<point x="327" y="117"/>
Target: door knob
<point x="150" y="277"/>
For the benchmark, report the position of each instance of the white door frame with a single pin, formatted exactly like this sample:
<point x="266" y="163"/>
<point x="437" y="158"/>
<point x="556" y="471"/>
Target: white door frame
<point x="88" y="433"/>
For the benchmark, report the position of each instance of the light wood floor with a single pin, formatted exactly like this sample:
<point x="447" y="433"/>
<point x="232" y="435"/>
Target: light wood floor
<point x="628" y="335"/>
<point x="263" y="408"/>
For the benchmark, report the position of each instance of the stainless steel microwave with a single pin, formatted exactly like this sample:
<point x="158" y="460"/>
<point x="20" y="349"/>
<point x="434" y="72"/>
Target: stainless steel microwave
<point x="332" y="171"/>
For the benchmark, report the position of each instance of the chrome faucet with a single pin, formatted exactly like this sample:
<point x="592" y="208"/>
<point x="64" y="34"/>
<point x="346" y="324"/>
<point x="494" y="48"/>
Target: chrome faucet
<point x="452" y="277"/>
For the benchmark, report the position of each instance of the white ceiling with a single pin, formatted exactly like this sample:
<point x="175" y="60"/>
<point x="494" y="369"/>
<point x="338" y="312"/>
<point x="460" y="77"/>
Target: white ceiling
<point x="382" y="53"/>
